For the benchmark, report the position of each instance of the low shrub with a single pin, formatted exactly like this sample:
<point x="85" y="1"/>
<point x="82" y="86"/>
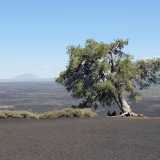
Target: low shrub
<point x="7" y="107"/>
<point x="67" y="112"/>
<point x="2" y="114"/>
<point x="18" y="114"/>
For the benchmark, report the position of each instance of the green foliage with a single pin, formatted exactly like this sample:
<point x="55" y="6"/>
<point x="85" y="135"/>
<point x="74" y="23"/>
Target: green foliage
<point x="101" y="73"/>
<point x="148" y="71"/>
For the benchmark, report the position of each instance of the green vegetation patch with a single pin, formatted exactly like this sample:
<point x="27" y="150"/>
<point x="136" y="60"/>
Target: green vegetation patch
<point x="67" y="112"/>
<point x="7" y="107"/>
<point x="18" y="114"/>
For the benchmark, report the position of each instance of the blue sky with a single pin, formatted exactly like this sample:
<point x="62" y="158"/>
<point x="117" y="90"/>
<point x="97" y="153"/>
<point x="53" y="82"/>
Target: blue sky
<point x="34" y="34"/>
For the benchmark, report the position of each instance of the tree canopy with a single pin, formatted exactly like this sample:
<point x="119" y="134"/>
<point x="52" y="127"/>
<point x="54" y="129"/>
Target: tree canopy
<point x="102" y="73"/>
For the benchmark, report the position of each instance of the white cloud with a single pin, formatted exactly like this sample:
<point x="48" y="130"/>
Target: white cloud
<point x="47" y="66"/>
<point x="157" y="57"/>
<point x="155" y="51"/>
<point x="151" y="57"/>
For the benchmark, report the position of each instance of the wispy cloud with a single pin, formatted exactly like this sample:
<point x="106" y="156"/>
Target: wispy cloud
<point x="155" y="51"/>
<point x="47" y="66"/>
<point x="151" y="57"/>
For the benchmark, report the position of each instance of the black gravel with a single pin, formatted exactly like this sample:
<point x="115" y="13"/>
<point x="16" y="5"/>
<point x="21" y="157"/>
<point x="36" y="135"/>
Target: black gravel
<point x="97" y="138"/>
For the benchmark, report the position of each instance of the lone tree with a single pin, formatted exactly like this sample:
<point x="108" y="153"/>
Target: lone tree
<point x="101" y="73"/>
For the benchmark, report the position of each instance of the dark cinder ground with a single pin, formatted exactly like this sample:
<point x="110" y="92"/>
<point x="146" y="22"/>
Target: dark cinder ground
<point x="46" y="96"/>
<point x="97" y="138"/>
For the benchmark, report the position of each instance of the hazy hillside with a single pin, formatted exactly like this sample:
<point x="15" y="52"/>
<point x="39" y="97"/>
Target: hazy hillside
<point x="26" y="76"/>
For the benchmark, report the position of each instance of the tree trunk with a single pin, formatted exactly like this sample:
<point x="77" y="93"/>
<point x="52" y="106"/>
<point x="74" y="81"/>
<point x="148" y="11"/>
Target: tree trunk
<point x="126" y="109"/>
<point x="121" y="102"/>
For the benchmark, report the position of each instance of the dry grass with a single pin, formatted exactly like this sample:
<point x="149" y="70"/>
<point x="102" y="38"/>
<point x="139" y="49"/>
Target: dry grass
<point x="67" y="112"/>
<point x="18" y="114"/>
<point x="7" y="107"/>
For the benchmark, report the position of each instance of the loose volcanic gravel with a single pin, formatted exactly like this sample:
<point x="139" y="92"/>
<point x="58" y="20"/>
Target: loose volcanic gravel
<point x="97" y="138"/>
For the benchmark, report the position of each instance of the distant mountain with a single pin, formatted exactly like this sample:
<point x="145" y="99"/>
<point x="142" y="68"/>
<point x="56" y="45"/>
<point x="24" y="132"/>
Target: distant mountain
<point x="29" y="76"/>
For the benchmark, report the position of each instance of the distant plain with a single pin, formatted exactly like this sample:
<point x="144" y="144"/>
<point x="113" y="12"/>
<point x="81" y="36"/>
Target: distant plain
<point x="46" y="96"/>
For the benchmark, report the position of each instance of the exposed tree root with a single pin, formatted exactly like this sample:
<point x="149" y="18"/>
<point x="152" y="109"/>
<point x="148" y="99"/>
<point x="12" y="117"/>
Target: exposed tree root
<point x="129" y="114"/>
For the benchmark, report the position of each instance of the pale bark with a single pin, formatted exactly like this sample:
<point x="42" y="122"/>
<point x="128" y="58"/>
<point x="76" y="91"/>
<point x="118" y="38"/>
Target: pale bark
<point x="125" y="107"/>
